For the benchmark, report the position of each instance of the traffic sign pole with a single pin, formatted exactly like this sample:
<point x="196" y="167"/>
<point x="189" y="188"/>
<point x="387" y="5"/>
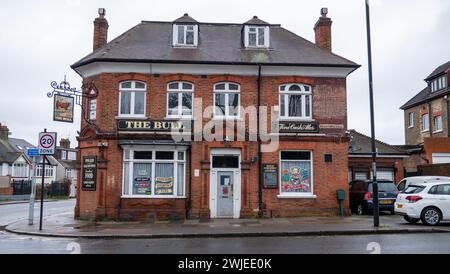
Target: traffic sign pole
<point x="42" y="192"/>
<point x="33" y="192"/>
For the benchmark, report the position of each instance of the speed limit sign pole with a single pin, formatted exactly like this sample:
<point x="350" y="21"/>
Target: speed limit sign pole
<point x="47" y="145"/>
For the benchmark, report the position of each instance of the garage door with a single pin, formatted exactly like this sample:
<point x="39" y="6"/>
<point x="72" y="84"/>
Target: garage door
<point x="440" y="158"/>
<point x="385" y="174"/>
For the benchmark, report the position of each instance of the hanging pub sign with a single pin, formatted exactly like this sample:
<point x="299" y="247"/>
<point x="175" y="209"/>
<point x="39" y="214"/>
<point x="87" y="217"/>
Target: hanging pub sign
<point x="89" y="178"/>
<point x="270" y="175"/>
<point x="63" y="108"/>
<point x="298" y="127"/>
<point x="153" y="125"/>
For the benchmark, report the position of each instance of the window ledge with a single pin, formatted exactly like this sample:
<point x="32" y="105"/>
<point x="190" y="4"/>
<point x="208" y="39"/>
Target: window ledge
<point x="131" y="117"/>
<point x="297" y="196"/>
<point x="438" y="131"/>
<point x="227" y="119"/>
<point x="426" y="130"/>
<point x="151" y="197"/>
<point x="294" y="119"/>
<point x="181" y="118"/>
<point x="410" y="126"/>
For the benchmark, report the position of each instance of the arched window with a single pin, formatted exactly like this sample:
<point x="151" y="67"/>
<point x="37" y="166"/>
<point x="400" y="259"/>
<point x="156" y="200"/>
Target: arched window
<point x="179" y="99"/>
<point x="132" y="99"/>
<point x="295" y="101"/>
<point x="226" y="100"/>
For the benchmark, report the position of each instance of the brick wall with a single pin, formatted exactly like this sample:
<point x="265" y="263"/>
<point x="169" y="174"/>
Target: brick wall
<point x="329" y="107"/>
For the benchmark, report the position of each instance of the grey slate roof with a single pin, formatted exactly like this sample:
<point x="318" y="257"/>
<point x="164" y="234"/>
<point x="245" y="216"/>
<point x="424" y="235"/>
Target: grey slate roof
<point x="425" y="93"/>
<point x="20" y="144"/>
<point x="8" y="154"/>
<point x="361" y="144"/>
<point x="218" y="44"/>
<point x="439" y="70"/>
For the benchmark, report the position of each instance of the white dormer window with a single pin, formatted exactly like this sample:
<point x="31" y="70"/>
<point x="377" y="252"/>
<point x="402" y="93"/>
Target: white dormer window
<point x="185" y="35"/>
<point x="256" y="36"/>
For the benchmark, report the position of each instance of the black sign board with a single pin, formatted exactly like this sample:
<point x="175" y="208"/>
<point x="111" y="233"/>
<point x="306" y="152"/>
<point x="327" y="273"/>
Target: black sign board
<point x="298" y="127"/>
<point x="89" y="173"/>
<point x="151" y="125"/>
<point x="270" y="172"/>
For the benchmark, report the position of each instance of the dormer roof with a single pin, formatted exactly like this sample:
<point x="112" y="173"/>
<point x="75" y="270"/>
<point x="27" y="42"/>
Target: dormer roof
<point x="255" y="21"/>
<point x="185" y="19"/>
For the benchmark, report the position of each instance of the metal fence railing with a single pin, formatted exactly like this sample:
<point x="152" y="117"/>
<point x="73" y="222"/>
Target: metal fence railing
<point x="21" y="187"/>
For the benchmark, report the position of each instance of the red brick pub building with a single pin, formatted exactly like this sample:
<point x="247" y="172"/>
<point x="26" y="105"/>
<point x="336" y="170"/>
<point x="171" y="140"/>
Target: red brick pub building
<point x="156" y="94"/>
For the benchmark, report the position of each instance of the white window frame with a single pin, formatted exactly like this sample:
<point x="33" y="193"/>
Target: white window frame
<point x="20" y="170"/>
<point x="175" y="35"/>
<point x="133" y="90"/>
<point x="48" y="171"/>
<point x="227" y="93"/>
<point x="247" y="36"/>
<point x="304" y="94"/>
<point x="425" y="122"/>
<point x="296" y="194"/>
<point x="437" y="126"/>
<point x="63" y="154"/>
<point x="411" y="119"/>
<point x="93" y="109"/>
<point x="180" y="92"/>
<point x="131" y="161"/>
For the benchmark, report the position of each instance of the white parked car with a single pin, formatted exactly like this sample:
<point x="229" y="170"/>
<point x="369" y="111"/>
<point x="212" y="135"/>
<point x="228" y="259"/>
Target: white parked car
<point x="427" y="202"/>
<point x="404" y="183"/>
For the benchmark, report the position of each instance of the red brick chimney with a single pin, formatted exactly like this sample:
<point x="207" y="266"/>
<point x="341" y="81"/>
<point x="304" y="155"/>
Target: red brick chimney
<point x="322" y="28"/>
<point x="4" y="132"/>
<point x="64" y="143"/>
<point x="100" y="29"/>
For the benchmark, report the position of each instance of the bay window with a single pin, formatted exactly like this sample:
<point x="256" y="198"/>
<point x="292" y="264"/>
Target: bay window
<point x="153" y="173"/>
<point x="132" y="99"/>
<point x="295" y="101"/>
<point x="179" y="99"/>
<point x="20" y="170"/>
<point x="226" y="100"/>
<point x="296" y="174"/>
<point x="47" y="173"/>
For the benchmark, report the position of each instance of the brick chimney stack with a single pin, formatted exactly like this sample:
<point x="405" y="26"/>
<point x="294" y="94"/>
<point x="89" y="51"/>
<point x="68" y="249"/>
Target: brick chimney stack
<point x="64" y="143"/>
<point x="4" y="132"/>
<point x="322" y="28"/>
<point x="100" y="29"/>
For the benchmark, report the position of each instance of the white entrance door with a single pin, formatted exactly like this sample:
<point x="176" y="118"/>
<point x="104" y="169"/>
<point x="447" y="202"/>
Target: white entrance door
<point x="440" y="158"/>
<point x="225" y="183"/>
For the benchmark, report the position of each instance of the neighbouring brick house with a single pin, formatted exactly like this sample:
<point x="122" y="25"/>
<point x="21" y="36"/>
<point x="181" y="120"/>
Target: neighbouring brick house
<point x="427" y="122"/>
<point x="389" y="159"/>
<point x="145" y="150"/>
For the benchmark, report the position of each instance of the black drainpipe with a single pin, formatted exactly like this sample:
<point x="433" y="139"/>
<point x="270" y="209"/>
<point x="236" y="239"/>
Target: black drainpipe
<point x="260" y="177"/>
<point x="189" y="202"/>
<point x="448" y="116"/>
<point x="430" y="119"/>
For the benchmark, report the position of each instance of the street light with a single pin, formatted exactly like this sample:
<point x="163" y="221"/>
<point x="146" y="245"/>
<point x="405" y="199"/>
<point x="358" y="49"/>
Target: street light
<point x="376" y="217"/>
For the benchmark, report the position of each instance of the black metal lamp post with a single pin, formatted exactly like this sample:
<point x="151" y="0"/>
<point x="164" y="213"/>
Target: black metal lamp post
<point x="376" y="216"/>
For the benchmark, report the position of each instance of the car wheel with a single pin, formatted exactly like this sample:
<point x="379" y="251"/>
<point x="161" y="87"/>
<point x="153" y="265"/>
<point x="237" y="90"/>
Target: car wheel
<point x="360" y="210"/>
<point x="411" y="220"/>
<point x="431" y="216"/>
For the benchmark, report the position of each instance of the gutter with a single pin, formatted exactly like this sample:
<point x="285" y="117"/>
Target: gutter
<point x="118" y="60"/>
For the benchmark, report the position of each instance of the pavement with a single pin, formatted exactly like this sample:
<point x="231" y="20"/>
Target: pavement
<point x="64" y="225"/>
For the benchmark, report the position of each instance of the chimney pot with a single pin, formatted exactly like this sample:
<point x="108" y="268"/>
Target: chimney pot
<point x="100" y="29"/>
<point x="4" y="132"/>
<point x="322" y="30"/>
<point x="186" y="14"/>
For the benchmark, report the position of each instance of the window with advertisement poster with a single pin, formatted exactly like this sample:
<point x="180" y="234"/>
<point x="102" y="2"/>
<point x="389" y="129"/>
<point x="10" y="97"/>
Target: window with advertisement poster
<point x="296" y="173"/>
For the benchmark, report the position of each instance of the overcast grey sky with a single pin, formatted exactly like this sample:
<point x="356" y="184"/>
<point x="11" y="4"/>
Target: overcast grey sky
<point x="39" y="40"/>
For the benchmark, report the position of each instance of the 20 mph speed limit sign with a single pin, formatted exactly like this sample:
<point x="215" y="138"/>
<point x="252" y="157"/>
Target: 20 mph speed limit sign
<point x="47" y="143"/>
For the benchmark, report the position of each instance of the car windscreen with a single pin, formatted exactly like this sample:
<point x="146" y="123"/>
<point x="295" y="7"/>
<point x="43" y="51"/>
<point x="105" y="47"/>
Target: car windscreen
<point x="413" y="189"/>
<point x="384" y="186"/>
